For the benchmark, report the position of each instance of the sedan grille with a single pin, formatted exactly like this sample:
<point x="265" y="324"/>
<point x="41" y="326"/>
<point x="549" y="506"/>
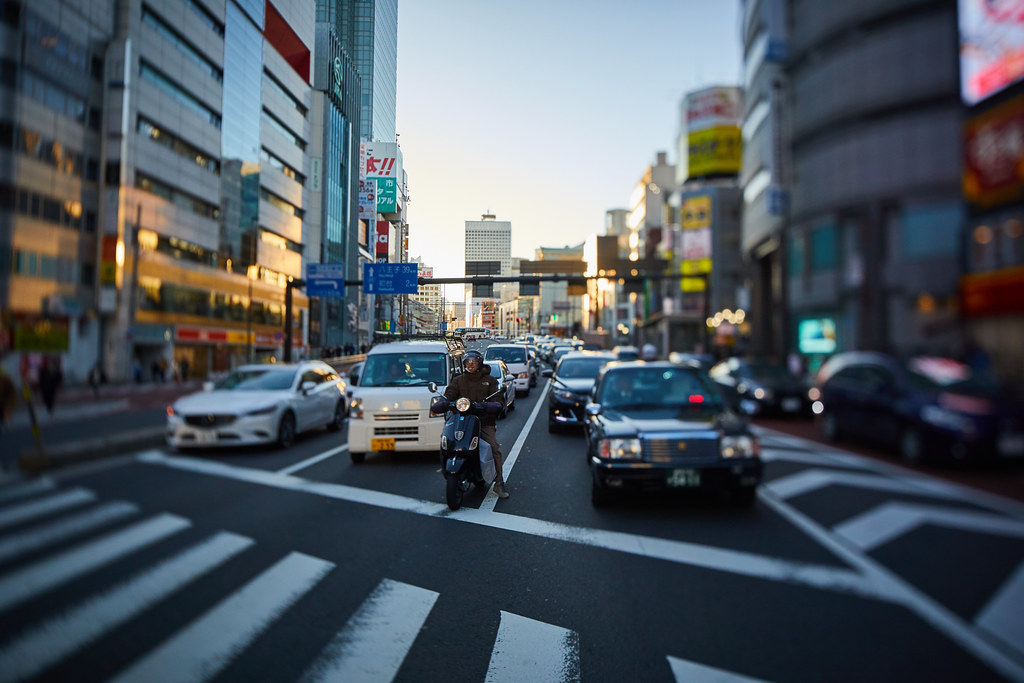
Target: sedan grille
<point x="670" y="450"/>
<point x="209" y="420"/>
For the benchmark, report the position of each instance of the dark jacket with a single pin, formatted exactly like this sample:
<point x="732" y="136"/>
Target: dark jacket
<point x="476" y="386"/>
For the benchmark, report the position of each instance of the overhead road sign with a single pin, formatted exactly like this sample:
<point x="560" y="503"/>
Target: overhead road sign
<point x="325" y="280"/>
<point x="390" y="278"/>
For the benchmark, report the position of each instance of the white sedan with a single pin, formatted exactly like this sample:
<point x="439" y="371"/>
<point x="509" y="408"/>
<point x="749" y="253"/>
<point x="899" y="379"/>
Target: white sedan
<point x="258" y="404"/>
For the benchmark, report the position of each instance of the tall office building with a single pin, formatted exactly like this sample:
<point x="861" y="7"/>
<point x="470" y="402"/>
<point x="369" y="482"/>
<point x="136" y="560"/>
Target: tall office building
<point x="155" y="180"/>
<point x="488" y="252"/>
<point x="368" y="31"/>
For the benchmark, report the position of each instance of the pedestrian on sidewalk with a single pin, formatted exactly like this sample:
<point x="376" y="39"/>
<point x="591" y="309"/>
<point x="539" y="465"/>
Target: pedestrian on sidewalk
<point x="50" y="378"/>
<point x="95" y="379"/>
<point x="183" y="366"/>
<point x="8" y="400"/>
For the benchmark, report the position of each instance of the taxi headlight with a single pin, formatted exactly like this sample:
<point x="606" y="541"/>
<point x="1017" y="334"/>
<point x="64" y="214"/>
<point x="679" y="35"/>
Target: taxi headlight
<point x="462" y="405"/>
<point x="740" y="447"/>
<point x="355" y="408"/>
<point x="620" y="449"/>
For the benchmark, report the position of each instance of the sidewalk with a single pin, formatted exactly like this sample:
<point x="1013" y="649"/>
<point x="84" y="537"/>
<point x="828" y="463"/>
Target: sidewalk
<point x="80" y="401"/>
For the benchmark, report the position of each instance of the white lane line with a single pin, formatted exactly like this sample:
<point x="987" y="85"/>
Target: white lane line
<point x="529" y="650"/>
<point x="291" y="469"/>
<point x="45" y="506"/>
<point x="64" y="528"/>
<point x="374" y="642"/>
<point x="901" y="592"/>
<point x="686" y="671"/>
<point x="1003" y="616"/>
<point x="813" y="479"/>
<point x="491" y="499"/>
<point x="207" y="645"/>
<point x="885" y="522"/>
<point x="16" y="491"/>
<point x="679" y="552"/>
<point x="57" y="638"/>
<point x="44" y="575"/>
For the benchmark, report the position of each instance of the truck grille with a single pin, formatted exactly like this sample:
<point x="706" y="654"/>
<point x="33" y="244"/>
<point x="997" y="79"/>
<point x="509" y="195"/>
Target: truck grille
<point x="396" y="431"/>
<point x="394" y="417"/>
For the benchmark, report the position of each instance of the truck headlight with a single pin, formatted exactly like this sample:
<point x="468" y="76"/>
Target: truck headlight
<point x="523" y="375"/>
<point x="620" y="449"/>
<point x="355" y="408"/>
<point x="740" y="447"/>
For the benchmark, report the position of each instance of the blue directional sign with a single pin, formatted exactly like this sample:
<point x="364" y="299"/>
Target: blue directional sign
<point x="390" y="278"/>
<point x="325" y="280"/>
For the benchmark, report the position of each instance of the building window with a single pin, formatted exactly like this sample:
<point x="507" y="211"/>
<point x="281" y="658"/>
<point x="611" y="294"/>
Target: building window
<point x="824" y="247"/>
<point x="185" y="47"/>
<point x="178" y="146"/>
<point x="178" y="93"/>
<point x="796" y="253"/>
<point x="284" y="130"/>
<point x="177" y="197"/>
<point x="932" y="230"/>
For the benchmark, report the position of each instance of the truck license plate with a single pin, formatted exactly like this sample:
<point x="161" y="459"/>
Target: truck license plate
<point x="382" y="444"/>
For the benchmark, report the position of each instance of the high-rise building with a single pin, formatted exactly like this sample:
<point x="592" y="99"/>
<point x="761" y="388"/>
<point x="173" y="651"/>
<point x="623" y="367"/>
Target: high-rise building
<point x="157" y="185"/>
<point x="488" y="251"/>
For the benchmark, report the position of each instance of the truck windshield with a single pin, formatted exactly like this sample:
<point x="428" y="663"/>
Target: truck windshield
<point x="404" y="369"/>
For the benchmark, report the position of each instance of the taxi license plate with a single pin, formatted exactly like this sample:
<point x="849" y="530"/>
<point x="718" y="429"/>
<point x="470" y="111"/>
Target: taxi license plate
<point x="204" y="436"/>
<point x="382" y="444"/>
<point x="683" y="478"/>
<point x="791" y="405"/>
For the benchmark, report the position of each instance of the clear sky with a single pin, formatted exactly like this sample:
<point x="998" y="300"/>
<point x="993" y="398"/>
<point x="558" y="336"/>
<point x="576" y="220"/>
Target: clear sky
<point x="544" y="112"/>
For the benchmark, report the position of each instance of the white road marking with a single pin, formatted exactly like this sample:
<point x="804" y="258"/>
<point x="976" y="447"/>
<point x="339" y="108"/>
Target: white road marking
<point x="885" y="522"/>
<point x="291" y="469"/>
<point x="529" y="650"/>
<point x="63" y="528"/>
<point x="814" y="479"/>
<point x="44" y="575"/>
<point x="901" y="592"/>
<point x="44" y="506"/>
<point x="374" y="642"/>
<point x="57" y="638"/>
<point x="686" y="671"/>
<point x="679" y="552"/>
<point x="205" y="647"/>
<point x="491" y="499"/>
<point x="29" y="488"/>
<point x="1003" y="616"/>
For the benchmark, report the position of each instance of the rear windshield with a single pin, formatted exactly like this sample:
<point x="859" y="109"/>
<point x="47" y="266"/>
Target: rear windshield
<point x="404" y="369"/>
<point x="507" y="354"/>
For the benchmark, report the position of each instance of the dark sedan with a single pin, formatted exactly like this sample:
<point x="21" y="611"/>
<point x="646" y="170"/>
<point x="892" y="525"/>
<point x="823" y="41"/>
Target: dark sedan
<point x="660" y="425"/>
<point x="920" y="407"/>
<point x="571" y="383"/>
<point x="764" y="387"/>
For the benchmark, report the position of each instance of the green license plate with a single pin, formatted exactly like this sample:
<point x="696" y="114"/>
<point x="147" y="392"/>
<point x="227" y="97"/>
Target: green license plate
<point x="683" y="478"/>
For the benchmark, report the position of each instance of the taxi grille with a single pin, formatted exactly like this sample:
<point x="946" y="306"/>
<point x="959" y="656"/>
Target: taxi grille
<point x="670" y="450"/>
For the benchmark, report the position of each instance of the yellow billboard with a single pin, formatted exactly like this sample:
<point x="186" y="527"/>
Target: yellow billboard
<point x="696" y="212"/>
<point x="714" y="150"/>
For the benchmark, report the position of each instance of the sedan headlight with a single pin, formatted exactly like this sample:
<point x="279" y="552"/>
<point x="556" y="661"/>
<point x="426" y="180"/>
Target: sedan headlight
<point x="760" y="393"/>
<point x="562" y="393"/>
<point x="355" y="408"/>
<point x="740" y="447"/>
<point x="620" y="449"/>
<point x="947" y="419"/>
<point x="262" y="411"/>
<point x="814" y="393"/>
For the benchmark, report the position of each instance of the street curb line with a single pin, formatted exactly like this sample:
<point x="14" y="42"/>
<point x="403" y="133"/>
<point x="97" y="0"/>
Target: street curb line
<point x="62" y="455"/>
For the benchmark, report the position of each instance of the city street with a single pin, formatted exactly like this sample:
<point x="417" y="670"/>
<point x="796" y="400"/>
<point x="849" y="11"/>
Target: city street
<point x="266" y="565"/>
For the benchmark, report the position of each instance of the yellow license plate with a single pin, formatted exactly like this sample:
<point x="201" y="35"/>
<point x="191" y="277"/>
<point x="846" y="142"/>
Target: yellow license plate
<point x="382" y="444"/>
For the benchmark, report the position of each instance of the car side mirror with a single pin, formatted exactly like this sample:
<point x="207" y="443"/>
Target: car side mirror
<point x="509" y="378"/>
<point x="432" y="387"/>
<point x="307" y="387"/>
<point x="546" y="372"/>
<point x="593" y="409"/>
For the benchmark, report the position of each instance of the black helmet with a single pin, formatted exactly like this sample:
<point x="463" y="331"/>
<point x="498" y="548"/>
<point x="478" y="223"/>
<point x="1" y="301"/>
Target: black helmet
<point x="473" y="354"/>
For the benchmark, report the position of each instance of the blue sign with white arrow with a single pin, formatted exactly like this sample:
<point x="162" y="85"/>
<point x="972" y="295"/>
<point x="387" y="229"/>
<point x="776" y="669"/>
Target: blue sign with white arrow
<point x="390" y="278"/>
<point x="325" y="280"/>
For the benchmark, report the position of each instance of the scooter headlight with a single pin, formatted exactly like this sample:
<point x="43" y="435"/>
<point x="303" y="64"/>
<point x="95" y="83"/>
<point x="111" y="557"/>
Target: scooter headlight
<point x="462" y="405"/>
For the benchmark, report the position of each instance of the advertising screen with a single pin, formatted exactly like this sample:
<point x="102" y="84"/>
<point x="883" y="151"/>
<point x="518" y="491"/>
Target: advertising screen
<point x="817" y="335"/>
<point x="991" y="46"/>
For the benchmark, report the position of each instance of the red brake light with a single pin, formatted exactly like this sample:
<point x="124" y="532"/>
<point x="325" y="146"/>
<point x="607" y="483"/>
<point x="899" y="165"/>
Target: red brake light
<point x="696" y="398"/>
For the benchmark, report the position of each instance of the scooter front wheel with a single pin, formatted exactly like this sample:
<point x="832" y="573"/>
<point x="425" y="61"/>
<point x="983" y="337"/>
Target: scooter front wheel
<point x="453" y="492"/>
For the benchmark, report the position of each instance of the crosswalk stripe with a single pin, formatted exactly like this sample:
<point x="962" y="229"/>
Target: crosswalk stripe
<point x="44" y="506"/>
<point x="529" y="650"/>
<point x="9" y="493"/>
<point x="44" y="575"/>
<point x="54" y="640"/>
<point x="1003" y="616"/>
<point x="209" y="644"/>
<point x="374" y="642"/>
<point x="64" y="528"/>
<point x="686" y="671"/>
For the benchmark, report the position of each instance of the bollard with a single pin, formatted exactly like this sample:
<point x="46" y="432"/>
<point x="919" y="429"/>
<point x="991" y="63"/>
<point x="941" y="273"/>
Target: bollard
<point x="32" y="462"/>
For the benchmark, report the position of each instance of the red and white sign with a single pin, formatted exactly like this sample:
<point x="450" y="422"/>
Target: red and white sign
<point x="696" y="244"/>
<point x="713" y="107"/>
<point x="383" y="160"/>
<point x="383" y="230"/>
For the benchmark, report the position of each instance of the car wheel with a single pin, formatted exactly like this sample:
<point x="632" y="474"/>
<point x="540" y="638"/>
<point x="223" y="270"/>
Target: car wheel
<point x="357" y="458"/>
<point x="829" y="427"/>
<point x="286" y="430"/>
<point x="553" y="427"/>
<point x="338" y="422"/>
<point x="911" y="447"/>
<point x="600" y="497"/>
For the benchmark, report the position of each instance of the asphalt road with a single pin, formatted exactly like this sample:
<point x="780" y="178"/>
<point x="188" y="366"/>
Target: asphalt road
<point x="260" y="564"/>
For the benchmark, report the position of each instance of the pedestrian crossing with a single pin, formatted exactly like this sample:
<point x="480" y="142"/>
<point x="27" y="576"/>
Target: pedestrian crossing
<point x="53" y="544"/>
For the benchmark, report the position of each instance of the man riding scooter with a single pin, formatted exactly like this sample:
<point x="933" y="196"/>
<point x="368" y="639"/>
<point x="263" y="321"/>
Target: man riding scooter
<point x="478" y="386"/>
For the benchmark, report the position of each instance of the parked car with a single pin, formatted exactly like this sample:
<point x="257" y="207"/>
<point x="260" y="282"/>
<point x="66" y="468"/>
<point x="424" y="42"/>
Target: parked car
<point x="571" y="383"/>
<point x="534" y="365"/>
<point x="517" y="358"/>
<point x="765" y="387"/>
<point x="921" y="407"/>
<point x="660" y="425"/>
<point x="506" y="385"/>
<point x="259" y="404"/>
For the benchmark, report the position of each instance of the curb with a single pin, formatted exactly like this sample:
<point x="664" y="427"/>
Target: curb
<point x="86" y="450"/>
